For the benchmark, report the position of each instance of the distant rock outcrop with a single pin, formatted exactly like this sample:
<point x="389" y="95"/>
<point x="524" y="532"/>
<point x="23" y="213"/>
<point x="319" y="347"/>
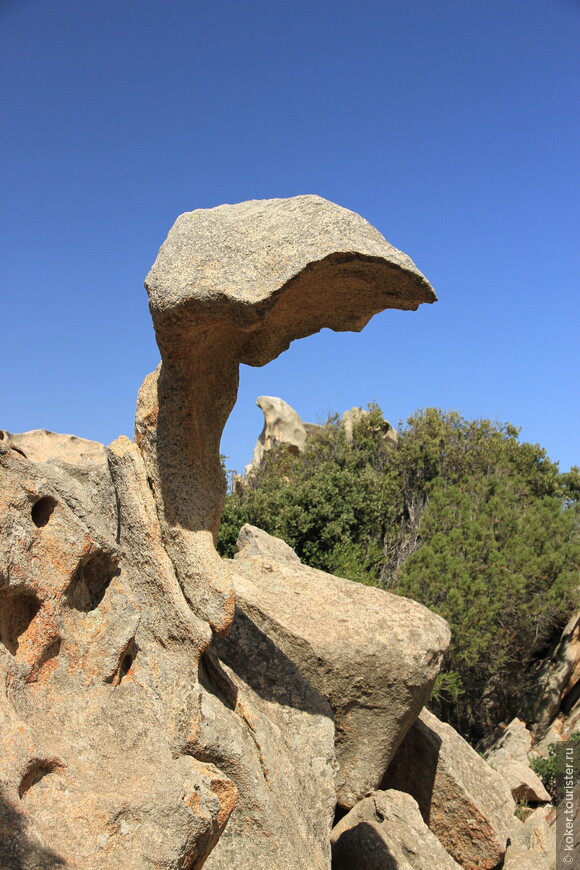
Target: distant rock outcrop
<point x="282" y="427"/>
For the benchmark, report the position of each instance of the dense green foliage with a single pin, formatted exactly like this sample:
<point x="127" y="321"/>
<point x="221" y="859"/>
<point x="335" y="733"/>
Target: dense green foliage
<point x="330" y="503"/>
<point x="461" y="516"/>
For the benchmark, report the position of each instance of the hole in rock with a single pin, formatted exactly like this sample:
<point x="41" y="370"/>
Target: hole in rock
<point x="91" y="580"/>
<point x="36" y="770"/>
<point x="18" y="450"/>
<point x="17" y="610"/>
<point x="339" y="813"/>
<point x="2" y="435"/>
<point x="314" y="375"/>
<point x="214" y="679"/>
<point x="126" y="661"/>
<point x="42" y="510"/>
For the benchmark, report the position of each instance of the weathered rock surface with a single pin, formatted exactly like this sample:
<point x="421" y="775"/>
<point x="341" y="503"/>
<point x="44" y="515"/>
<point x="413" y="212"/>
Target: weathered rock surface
<point x="515" y="738"/>
<point x="78" y="468"/>
<point x="532" y="840"/>
<point x="521" y="859"/>
<point x="373" y="655"/>
<point x="236" y="284"/>
<point x="386" y="831"/>
<point x="466" y="804"/>
<point x="559" y="730"/>
<point x="41" y="445"/>
<point x="509" y="756"/>
<point x="253" y="541"/>
<point x="125" y="742"/>
<point x="525" y="785"/>
<point x="132" y="735"/>
<point x="282" y="426"/>
<point x="278" y="747"/>
<point x="99" y="657"/>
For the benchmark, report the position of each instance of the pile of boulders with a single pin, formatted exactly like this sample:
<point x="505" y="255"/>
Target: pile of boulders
<point x="163" y="708"/>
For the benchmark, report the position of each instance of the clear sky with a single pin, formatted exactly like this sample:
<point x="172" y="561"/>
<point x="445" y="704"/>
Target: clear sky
<point x="451" y="125"/>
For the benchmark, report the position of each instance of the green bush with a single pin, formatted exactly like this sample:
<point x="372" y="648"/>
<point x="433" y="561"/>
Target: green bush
<point x="462" y="517"/>
<point x="330" y="503"/>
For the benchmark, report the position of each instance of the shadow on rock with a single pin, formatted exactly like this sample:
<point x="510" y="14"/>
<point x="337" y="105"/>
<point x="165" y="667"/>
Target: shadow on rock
<point x="266" y="669"/>
<point x="362" y="847"/>
<point x="19" y="850"/>
<point x="414" y="767"/>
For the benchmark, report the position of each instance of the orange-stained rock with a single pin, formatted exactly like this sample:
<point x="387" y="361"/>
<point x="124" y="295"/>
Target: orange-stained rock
<point x="466" y="804"/>
<point x="386" y="830"/>
<point x="99" y="658"/>
<point x="125" y="743"/>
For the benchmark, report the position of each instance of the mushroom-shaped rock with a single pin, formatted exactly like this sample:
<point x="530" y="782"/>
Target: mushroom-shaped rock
<point x="236" y="284"/>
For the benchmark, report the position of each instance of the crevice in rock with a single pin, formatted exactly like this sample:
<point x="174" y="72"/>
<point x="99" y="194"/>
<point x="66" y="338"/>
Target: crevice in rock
<point x="91" y="580"/>
<point x="17" y="610"/>
<point x="570" y="698"/>
<point x="126" y="661"/>
<point x="214" y="679"/>
<point x="36" y="770"/>
<point x="42" y="510"/>
<point x="117" y="509"/>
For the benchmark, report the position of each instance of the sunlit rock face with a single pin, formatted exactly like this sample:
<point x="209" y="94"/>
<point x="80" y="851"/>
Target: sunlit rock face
<point x="133" y="734"/>
<point x="100" y="691"/>
<point x="373" y="655"/>
<point x="283" y="427"/>
<point x="465" y="803"/>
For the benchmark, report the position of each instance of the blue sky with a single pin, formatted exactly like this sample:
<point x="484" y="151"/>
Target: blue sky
<point x="452" y="125"/>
